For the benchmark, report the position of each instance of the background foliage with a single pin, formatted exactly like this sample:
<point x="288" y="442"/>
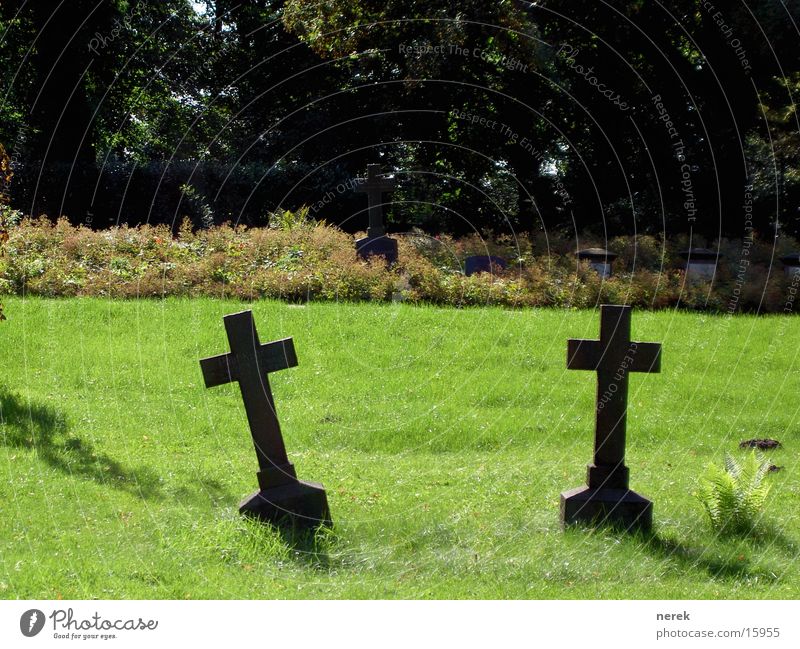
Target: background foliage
<point x="300" y="260"/>
<point x="112" y="110"/>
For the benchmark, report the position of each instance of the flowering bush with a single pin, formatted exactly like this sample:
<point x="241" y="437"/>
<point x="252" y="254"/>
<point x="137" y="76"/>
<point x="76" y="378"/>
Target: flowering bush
<point x="6" y="213"/>
<point x="298" y="259"/>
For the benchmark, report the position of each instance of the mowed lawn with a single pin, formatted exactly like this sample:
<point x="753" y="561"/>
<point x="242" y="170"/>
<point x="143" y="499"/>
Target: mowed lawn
<point x="443" y="437"/>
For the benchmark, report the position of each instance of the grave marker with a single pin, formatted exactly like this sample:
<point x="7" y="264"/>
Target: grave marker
<point x="484" y="264"/>
<point x="613" y="357"/>
<point x="600" y="259"/>
<point x="791" y="265"/>
<point x="376" y="242"/>
<point x="701" y="263"/>
<point x="281" y="495"/>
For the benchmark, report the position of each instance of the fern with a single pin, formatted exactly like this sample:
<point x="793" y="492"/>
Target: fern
<point x="734" y="495"/>
<point x="287" y="220"/>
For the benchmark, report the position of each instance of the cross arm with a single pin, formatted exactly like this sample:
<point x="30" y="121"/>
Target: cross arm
<point x="219" y="370"/>
<point x="637" y="357"/>
<point x="271" y="357"/>
<point x="583" y="354"/>
<point x="382" y="184"/>
<point x="277" y="355"/>
<point x="646" y="357"/>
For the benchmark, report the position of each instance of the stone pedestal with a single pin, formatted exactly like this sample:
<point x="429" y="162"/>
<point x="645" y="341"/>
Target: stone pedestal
<point x="302" y="504"/>
<point x="617" y="506"/>
<point x="700" y="272"/>
<point x="381" y="246"/>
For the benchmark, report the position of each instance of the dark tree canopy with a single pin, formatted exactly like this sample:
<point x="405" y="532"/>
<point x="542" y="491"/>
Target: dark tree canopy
<point x="616" y="116"/>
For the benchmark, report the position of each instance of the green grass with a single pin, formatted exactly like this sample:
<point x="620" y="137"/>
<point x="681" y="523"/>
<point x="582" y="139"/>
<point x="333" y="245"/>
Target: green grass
<point x="443" y="437"/>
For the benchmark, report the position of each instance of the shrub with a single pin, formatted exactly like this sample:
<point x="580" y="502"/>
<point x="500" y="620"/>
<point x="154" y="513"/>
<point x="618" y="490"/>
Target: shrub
<point x="734" y="495"/>
<point x="8" y="217"/>
<point x="300" y="259"/>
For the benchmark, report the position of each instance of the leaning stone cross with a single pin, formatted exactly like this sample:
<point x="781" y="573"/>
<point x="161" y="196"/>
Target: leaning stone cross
<point x="281" y="495"/>
<point x="613" y="357"/>
<point x="376" y="242"/>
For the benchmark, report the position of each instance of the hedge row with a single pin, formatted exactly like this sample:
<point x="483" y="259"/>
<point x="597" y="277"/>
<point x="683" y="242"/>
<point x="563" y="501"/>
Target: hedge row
<point x="299" y="260"/>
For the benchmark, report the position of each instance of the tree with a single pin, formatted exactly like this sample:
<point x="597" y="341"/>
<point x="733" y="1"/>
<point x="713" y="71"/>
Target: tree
<point x="611" y="115"/>
<point x="598" y="151"/>
<point x="418" y="75"/>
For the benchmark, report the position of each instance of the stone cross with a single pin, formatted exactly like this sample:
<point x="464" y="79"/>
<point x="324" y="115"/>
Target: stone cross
<point x="248" y="363"/>
<point x="613" y="357"/>
<point x="374" y="186"/>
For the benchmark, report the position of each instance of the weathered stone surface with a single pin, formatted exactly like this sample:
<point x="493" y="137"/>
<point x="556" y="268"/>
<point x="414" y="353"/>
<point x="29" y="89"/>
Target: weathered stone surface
<point x="701" y="264"/>
<point x="619" y="506"/>
<point x="600" y="259"/>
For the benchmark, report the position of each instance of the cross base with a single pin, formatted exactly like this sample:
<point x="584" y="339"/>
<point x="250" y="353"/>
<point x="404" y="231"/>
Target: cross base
<point x="617" y="506"/>
<point x="608" y="476"/>
<point x="296" y="504"/>
<point x="381" y="246"/>
<point x="277" y="475"/>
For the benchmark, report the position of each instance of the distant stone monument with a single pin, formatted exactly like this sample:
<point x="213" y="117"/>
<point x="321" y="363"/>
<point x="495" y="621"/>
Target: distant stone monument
<point x="701" y="263"/>
<point x="607" y="496"/>
<point x="376" y="242"/>
<point x="600" y="259"/>
<point x="791" y="265"/>
<point x="281" y="497"/>
<point x="484" y="264"/>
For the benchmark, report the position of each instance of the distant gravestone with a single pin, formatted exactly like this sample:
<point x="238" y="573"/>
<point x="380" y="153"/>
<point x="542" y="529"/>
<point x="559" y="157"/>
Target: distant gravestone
<point x="281" y="497"/>
<point x="701" y="264"/>
<point x="791" y="265"/>
<point x="607" y="496"/>
<point x="600" y="259"/>
<point x="483" y="264"/>
<point x="376" y="242"/>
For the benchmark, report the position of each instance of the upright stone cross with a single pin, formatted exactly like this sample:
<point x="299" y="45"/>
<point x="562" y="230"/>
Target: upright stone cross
<point x="613" y="357"/>
<point x="374" y="186"/>
<point x="376" y="242"/>
<point x="281" y="495"/>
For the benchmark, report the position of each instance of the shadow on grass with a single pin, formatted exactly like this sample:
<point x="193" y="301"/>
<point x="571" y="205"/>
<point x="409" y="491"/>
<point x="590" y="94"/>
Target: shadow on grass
<point x="205" y="489"/>
<point x="711" y="559"/>
<point x="309" y="546"/>
<point x="31" y="426"/>
<point x="769" y="535"/>
<point x="695" y="558"/>
<point x="256" y="539"/>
